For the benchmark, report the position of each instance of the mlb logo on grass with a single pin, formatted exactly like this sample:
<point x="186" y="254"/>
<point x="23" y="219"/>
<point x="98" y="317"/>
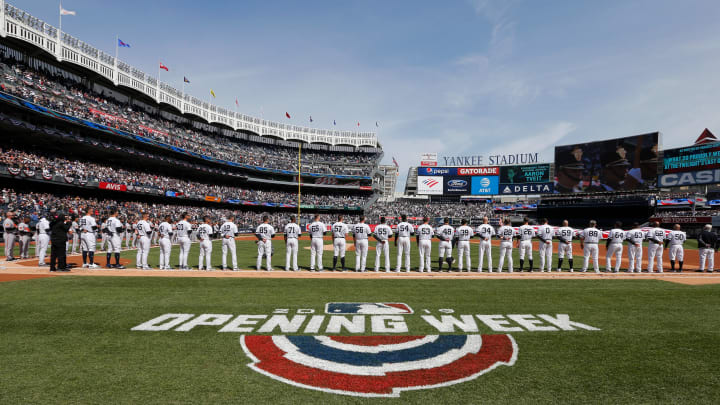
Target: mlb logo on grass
<point x="367" y="308"/>
<point x="430" y="185"/>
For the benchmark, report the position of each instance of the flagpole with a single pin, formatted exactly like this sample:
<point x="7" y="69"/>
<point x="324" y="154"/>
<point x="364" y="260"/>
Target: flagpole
<point x="59" y="44"/>
<point x="299" y="181"/>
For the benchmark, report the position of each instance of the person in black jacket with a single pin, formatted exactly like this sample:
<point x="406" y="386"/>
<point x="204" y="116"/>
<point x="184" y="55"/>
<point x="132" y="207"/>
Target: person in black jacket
<point x="707" y="245"/>
<point x="59" y="227"/>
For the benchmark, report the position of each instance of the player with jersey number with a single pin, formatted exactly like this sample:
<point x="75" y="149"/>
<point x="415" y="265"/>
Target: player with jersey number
<point x="464" y="233"/>
<point x="589" y="243"/>
<point x="204" y="233"/>
<point x="43" y="239"/>
<point x="88" y="239"/>
<point x="545" y="233"/>
<point x="614" y="247"/>
<point x="485" y="231"/>
<point x="656" y="238"/>
<point x="635" y="238"/>
<point x="565" y="235"/>
<point x="264" y="234"/>
<point x="25" y="235"/>
<point x="361" y="233"/>
<point x="115" y="229"/>
<point x="382" y="235"/>
<point x="291" y="235"/>
<point x="165" y="231"/>
<point x="228" y="232"/>
<point x="402" y="242"/>
<point x="424" y="236"/>
<point x="143" y="229"/>
<point x="526" y="232"/>
<point x="317" y="234"/>
<point x="339" y="232"/>
<point x="675" y="239"/>
<point x="506" y="233"/>
<point x="183" y="236"/>
<point x="707" y="246"/>
<point x="445" y="233"/>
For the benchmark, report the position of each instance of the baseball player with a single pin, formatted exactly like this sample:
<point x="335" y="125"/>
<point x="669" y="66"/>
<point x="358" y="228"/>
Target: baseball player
<point x="292" y="233"/>
<point x="707" y="244"/>
<point x="165" y="231"/>
<point x="545" y="233"/>
<point x="75" y="236"/>
<point x="115" y="229"/>
<point x="155" y="237"/>
<point x="614" y="247"/>
<point x="589" y="244"/>
<point x="464" y="234"/>
<point x="382" y="235"/>
<point x="43" y="239"/>
<point x="264" y="234"/>
<point x="635" y="238"/>
<point x="361" y="232"/>
<point x="506" y="234"/>
<point x="402" y="242"/>
<point x="194" y="227"/>
<point x="565" y="236"/>
<point x="103" y="234"/>
<point x="88" y="239"/>
<point x="25" y="235"/>
<point x="143" y="229"/>
<point x="134" y="237"/>
<point x="676" y="238"/>
<point x="526" y="232"/>
<point x="204" y="233"/>
<point x="339" y="231"/>
<point x="129" y="233"/>
<point x="317" y="233"/>
<point x="9" y="229"/>
<point x="183" y="230"/>
<point x="445" y="233"/>
<point x="228" y="230"/>
<point x="656" y="236"/>
<point x="485" y="232"/>
<point x="424" y="236"/>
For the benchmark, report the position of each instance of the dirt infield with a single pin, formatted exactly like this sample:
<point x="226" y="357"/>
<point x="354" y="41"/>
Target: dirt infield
<point x="18" y="277"/>
<point x="76" y="261"/>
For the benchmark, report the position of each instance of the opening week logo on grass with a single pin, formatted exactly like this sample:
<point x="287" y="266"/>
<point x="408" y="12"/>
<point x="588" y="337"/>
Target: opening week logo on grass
<point x="316" y="357"/>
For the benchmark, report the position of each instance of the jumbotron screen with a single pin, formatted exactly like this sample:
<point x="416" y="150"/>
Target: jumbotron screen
<point x="485" y="180"/>
<point x="692" y="158"/>
<point x="629" y="163"/>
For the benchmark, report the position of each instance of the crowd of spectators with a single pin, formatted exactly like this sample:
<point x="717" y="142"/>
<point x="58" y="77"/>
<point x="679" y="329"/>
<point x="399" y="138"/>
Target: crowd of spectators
<point x="73" y="98"/>
<point x="426" y="208"/>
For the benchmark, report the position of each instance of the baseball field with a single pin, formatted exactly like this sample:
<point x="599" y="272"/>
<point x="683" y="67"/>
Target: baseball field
<point x="79" y="339"/>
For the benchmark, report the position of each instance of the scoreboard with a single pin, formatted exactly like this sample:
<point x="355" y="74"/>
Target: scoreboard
<point x="485" y="180"/>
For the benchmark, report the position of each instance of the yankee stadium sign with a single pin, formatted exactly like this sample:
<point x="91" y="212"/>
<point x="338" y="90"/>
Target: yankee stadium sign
<point x="333" y="353"/>
<point x="490" y="160"/>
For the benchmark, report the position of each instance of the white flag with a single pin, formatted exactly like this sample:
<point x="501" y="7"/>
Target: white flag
<point x="66" y="12"/>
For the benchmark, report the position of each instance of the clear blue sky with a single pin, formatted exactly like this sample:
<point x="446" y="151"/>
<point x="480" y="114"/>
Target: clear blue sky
<point x="470" y="77"/>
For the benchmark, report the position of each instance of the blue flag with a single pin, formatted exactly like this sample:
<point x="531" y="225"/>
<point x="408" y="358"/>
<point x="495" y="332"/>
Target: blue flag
<point x="334" y="123"/>
<point x="122" y="44"/>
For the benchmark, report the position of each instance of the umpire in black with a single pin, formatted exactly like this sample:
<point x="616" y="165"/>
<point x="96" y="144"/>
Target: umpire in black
<point x="59" y="227"/>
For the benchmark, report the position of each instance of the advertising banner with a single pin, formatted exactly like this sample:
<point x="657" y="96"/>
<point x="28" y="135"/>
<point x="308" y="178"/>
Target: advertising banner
<point x="429" y="159"/>
<point x="457" y="184"/>
<point x="112" y="186"/>
<point x="432" y="185"/>
<point x="689" y="178"/>
<point x="437" y="171"/>
<point x="213" y="198"/>
<point x="692" y="158"/>
<point x="539" y="173"/>
<point x="484" y="185"/>
<point x="526" y="188"/>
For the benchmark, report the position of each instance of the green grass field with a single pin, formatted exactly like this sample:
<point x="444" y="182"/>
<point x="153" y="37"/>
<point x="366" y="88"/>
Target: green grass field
<point x="68" y="339"/>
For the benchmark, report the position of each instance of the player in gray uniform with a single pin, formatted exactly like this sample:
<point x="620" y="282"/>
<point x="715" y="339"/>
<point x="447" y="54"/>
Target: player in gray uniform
<point x="165" y="231"/>
<point x="676" y="238"/>
<point x="317" y="246"/>
<point x="361" y="233"/>
<point x="339" y="232"/>
<point x="545" y="233"/>
<point x="228" y="231"/>
<point x="25" y="235"/>
<point x="614" y="247"/>
<point x="292" y="234"/>
<point x="565" y="235"/>
<point x="464" y="233"/>
<point x="382" y="235"/>
<point x="589" y="243"/>
<point x="114" y="229"/>
<point x="402" y="242"/>
<point x="10" y="231"/>
<point x="485" y="232"/>
<point x="43" y="240"/>
<point x="445" y="233"/>
<point x="635" y="238"/>
<point x="183" y="231"/>
<point x="74" y="236"/>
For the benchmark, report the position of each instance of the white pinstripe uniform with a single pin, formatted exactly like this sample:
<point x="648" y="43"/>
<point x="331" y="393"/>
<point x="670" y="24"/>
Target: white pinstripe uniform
<point x="545" y="233"/>
<point x="506" y="234"/>
<point x="615" y="248"/>
<point x="676" y="249"/>
<point x="404" y="230"/>
<point x="464" y="233"/>
<point x="486" y="233"/>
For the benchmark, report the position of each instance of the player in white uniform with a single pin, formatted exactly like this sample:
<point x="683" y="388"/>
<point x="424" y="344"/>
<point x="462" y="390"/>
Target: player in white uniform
<point x="339" y="231"/>
<point x="143" y="229"/>
<point x="317" y="233"/>
<point x="291" y="235"/>
<point x="165" y="231"/>
<point x="676" y="238"/>
<point x="183" y="229"/>
<point x="424" y="236"/>
<point x="485" y="232"/>
<point x="656" y="238"/>
<point x="361" y="233"/>
<point x="445" y="233"/>
<point x="264" y="234"/>
<point x="114" y="229"/>
<point x="589" y="243"/>
<point x="565" y="235"/>
<point x="402" y="242"/>
<point x="204" y="234"/>
<point x="75" y="228"/>
<point x="43" y="239"/>
<point x="545" y="233"/>
<point x="464" y="233"/>
<point x="228" y="230"/>
<point x="526" y="234"/>
<point x="103" y="234"/>
<point x="635" y="237"/>
<point x="614" y="247"/>
<point x="506" y="234"/>
<point x="88" y="239"/>
<point x="382" y="235"/>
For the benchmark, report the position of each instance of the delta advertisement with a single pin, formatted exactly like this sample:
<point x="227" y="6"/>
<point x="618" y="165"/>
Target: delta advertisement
<point x="483" y="181"/>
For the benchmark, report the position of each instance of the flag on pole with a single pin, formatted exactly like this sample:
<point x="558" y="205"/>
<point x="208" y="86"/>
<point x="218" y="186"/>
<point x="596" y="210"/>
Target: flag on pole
<point x="65" y="12"/>
<point x="376" y="124"/>
<point x="395" y="163"/>
<point x="311" y="119"/>
<point x="212" y="92"/>
<point x="185" y="80"/>
<point x="334" y="123"/>
<point x="164" y="67"/>
<point x="123" y="44"/>
<point x="287" y="114"/>
<point x="358" y="123"/>
<point x="236" y="102"/>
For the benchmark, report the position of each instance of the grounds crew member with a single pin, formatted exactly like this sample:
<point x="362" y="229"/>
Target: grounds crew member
<point x="445" y="233"/>
<point x="526" y="232"/>
<point x="423" y="236"/>
<point x="291" y="235"/>
<point x="464" y="233"/>
<point x="676" y="238"/>
<point x="707" y="244"/>
<point x="485" y="232"/>
<point x="614" y="247"/>
<point x="402" y="242"/>
<point x="635" y="237"/>
<point x="339" y="231"/>
<point x="506" y="234"/>
<point x="59" y="228"/>
<point x="589" y="244"/>
<point x="382" y="235"/>
<point x="656" y="236"/>
<point x="317" y="245"/>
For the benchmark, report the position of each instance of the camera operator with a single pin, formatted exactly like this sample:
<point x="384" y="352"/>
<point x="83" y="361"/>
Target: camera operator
<point x="60" y="225"/>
